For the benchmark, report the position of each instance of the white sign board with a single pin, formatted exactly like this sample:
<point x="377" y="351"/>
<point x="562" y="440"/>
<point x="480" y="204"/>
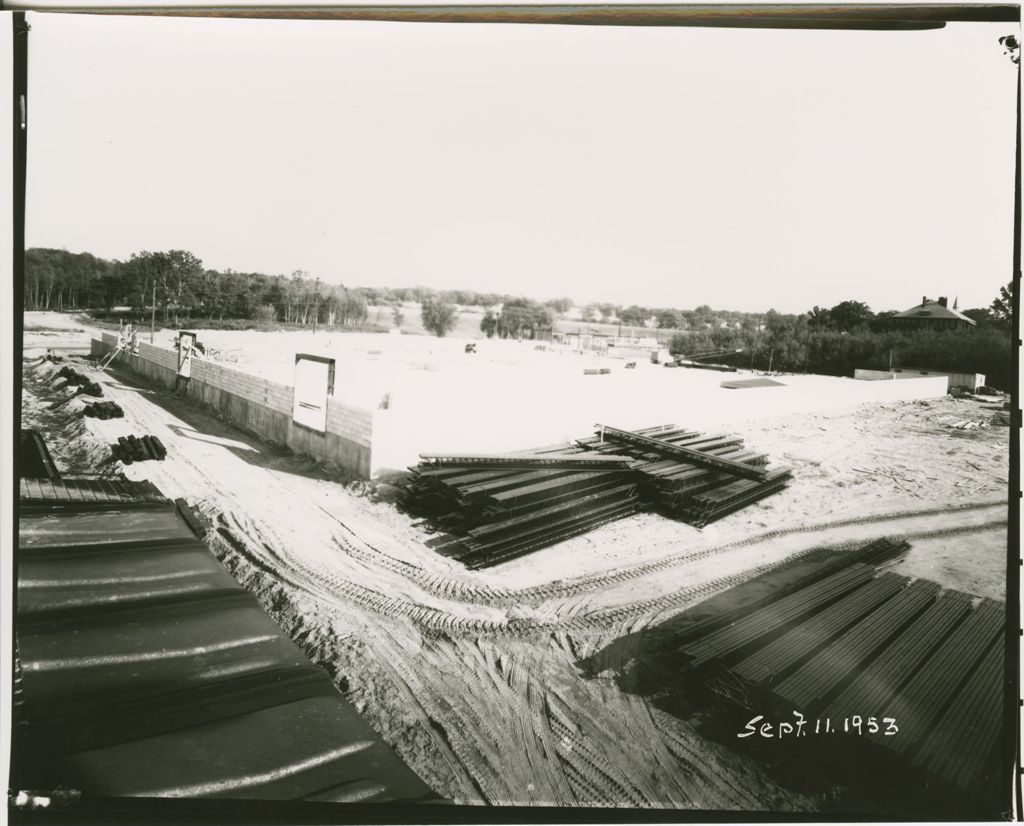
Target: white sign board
<point x="186" y="348"/>
<point x="314" y="382"/>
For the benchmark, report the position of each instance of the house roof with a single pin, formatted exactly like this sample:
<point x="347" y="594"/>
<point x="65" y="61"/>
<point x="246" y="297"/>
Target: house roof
<point x="934" y="310"/>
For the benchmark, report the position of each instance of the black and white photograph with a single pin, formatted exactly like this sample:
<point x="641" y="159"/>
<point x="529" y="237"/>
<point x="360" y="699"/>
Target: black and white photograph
<point x="435" y="413"/>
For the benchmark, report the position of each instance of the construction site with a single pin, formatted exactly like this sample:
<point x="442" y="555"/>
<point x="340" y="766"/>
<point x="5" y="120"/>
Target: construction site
<point x="380" y="554"/>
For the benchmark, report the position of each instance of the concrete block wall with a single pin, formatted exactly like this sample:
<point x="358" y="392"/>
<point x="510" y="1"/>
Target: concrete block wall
<point x="260" y="407"/>
<point x="971" y="380"/>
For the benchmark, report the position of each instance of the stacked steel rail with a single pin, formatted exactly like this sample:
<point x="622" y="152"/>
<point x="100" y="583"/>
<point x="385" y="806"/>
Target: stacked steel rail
<point x="858" y="643"/>
<point x="502" y="507"/>
<point x="498" y="507"/>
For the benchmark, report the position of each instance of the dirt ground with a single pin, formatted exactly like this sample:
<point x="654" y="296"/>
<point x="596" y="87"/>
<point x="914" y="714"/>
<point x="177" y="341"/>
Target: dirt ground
<point x="473" y="676"/>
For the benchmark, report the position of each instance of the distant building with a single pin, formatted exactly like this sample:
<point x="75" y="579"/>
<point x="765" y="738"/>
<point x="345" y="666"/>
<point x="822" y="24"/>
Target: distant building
<point x="934" y="315"/>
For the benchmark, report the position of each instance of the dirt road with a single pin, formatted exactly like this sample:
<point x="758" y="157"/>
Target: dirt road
<point x="472" y="677"/>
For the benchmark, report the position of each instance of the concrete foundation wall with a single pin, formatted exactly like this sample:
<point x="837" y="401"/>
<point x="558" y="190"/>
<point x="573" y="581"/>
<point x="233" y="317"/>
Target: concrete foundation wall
<point x="260" y="407"/>
<point x="923" y="387"/>
<point x="971" y="380"/>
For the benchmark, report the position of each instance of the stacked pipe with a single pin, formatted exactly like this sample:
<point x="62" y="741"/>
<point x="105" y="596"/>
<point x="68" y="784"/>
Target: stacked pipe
<point x="495" y="508"/>
<point x="138" y="449"/>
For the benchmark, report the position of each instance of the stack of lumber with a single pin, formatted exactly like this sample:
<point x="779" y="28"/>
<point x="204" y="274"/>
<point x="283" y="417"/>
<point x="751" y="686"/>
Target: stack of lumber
<point x="499" y="507"/>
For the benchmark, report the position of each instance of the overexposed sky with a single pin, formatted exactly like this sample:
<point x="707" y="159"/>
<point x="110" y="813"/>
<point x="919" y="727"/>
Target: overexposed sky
<point x="670" y="167"/>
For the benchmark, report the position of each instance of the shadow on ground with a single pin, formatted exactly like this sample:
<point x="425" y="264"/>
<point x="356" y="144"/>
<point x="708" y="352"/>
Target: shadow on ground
<point x="848" y="776"/>
<point x="201" y="423"/>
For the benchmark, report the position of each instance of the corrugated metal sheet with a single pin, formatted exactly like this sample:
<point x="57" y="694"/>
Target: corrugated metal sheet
<point x="146" y="670"/>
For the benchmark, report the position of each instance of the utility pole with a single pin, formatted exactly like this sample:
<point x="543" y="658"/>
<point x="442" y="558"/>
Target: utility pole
<point x="152" y="317"/>
<point x="770" y="357"/>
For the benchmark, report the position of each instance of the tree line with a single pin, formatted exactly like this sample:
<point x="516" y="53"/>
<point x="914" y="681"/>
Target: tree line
<point x="832" y="341"/>
<point x="848" y="336"/>
<point x="62" y="280"/>
<point x="178" y="286"/>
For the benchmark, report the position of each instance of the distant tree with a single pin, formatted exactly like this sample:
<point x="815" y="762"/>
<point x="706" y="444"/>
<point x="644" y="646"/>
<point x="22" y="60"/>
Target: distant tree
<point x="982" y="316"/>
<point x="1002" y="306"/>
<point x="489" y="324"/>
<point x="396" y="314"/>
<point x="634" y="315"/>
<point x="882" y="321"/>
<point x="850" y="315"/>
<point x="559" y="305"/>
<point x="590" y="313"/>
<point x="522" y="318"/>
<point x="266" y="314"/>
<point x="818" y="318"/>
<point x="669" y="319"/>
<point x="438" y="316"/>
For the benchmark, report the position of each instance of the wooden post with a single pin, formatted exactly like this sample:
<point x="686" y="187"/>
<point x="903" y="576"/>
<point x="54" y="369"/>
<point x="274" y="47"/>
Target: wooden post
<point x="152" y="317"/>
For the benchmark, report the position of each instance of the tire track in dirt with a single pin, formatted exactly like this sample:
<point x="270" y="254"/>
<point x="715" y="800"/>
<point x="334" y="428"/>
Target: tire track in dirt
<point x="642" y="611"/>
<point x="330" y="586"/>
<point x="684" y="751"/>
<point x="453" y="586"/>
<point x="475" y="675"/>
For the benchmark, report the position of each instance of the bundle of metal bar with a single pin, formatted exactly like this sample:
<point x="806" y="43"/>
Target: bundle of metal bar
<point x="681" y="452"/>
<point x="672" y="482"/>
<point x="711" y="505"/>
<point x="497" y="507"/>
<point x="515" y="461"/>
<point x="535" y="500"/>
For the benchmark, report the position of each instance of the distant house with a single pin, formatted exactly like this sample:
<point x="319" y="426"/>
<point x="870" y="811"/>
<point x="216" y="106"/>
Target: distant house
<point x="934" y="315"/>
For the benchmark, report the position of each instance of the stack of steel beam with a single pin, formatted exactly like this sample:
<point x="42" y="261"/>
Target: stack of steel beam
<point x="691" y="476"/>
<point x="541" y="498"/>
<point x="497" y="507"/>
<point x="709" y="505"/>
